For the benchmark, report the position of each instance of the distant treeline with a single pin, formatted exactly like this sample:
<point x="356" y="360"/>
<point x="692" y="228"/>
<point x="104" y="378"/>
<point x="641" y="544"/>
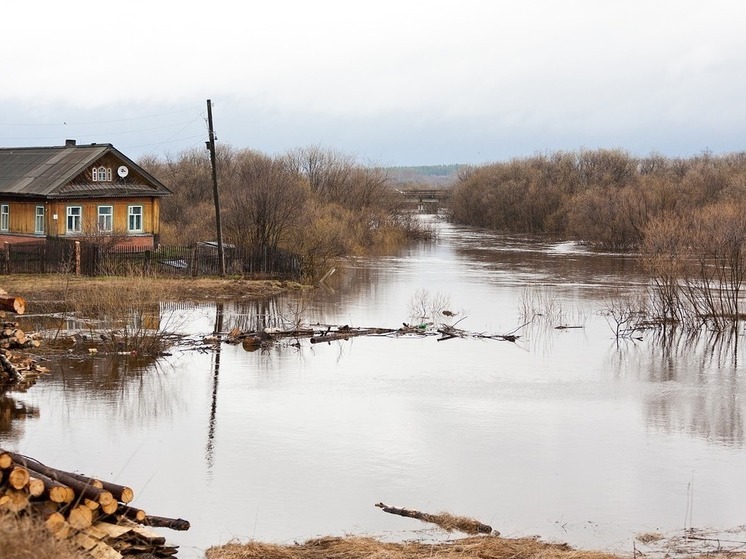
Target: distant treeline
<point x="433" y="176"/>
<point x="425" y="170"/>
<point x="606" y="197"/>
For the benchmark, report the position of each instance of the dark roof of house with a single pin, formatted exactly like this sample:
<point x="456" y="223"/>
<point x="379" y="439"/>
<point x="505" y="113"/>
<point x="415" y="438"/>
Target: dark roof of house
<point x="49" y="171"/>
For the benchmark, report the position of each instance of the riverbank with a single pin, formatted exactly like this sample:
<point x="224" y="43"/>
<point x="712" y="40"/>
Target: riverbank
<point x="352" y="547"/>
<point x="43" y="289"/>
<point x="23" y="537"/>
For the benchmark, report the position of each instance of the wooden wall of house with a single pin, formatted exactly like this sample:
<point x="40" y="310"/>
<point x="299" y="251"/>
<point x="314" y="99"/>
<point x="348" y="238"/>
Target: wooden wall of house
<point x="22" y="215"/>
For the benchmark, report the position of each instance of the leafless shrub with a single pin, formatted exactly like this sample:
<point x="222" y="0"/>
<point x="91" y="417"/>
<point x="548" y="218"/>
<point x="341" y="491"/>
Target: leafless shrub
<point x="625" y="314"/>
<point x="697" y="265"/>
<point x="430" y="307"/>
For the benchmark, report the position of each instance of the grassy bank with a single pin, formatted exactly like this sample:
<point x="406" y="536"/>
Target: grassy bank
<point x="38" y="289"/>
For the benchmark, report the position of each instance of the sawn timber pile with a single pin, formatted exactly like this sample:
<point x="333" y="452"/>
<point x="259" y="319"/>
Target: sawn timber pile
<point x="93" y="514"/>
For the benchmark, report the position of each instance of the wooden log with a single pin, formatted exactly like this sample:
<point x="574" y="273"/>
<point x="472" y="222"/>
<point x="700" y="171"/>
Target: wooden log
<point x="110" y="508"/>
<point x="18" y="477"/>
<point x="35" y="487"/>
<point x="121" y="493"/>
<point x="13" y="304"/>
<point x="345" y="332"/>
<point x="80" y="517"/>
<point x="58" y="525"/>
<point x="54" y="490"/>
<point x="95" y="482"/>
<point x="93" y="505"/>
<point x="18" y="500"/>
<point x="163" y="522"/>
<point x="6" y="462"/>
<point x="83" y="490"/>
<point x="132" y="513"/>
<point x="446" y="521"/>
<point x="18" y="337"/>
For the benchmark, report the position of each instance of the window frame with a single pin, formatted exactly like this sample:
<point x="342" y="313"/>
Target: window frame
<point x="70" y="215"/>
<point x="39" y="224"/>
<point x="110" y="217"/>
<point x="4" y="217"/>
<point x="101" y="174"/>
<point x="138" y="217"/>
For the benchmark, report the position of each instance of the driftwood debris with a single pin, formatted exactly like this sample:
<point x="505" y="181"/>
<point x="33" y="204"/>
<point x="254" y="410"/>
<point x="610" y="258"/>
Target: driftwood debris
<point x="329" y="333"/>
<point x="345" y="332"/>
<point x="93" y="514"/>
<point x="444" y="520"/>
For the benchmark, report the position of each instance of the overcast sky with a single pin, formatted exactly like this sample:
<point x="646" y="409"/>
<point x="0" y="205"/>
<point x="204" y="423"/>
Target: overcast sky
<point x="391" y="82"/>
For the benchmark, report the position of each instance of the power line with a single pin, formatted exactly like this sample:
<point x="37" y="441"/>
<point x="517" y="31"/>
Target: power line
<point x="65" y="123"/>
<point x="99" y="134"/>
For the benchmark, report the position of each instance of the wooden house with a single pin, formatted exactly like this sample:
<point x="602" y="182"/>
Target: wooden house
<point x="90" y="192"/>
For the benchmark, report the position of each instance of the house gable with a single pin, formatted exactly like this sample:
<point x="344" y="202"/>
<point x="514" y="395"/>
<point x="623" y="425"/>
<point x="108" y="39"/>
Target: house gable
<point x="65" y="171"/>
<point x="111" y="176"/>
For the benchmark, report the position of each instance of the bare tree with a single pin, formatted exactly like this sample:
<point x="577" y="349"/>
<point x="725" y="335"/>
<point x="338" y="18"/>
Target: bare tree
<point x="264" y="203"/>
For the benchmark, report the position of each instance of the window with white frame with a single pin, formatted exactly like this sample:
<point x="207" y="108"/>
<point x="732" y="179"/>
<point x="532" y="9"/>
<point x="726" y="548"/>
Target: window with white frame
<point x="135" y="219"/>
<point x="39" y="220"/>
<point x="4" y="217"/>
<point x="74" y="219"/>
<point x="105" y="218"/>
<point x="101" y="174"/>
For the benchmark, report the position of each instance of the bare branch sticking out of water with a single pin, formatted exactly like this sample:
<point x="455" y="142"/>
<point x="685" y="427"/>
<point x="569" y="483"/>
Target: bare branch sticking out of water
<point x="444" y="520"/>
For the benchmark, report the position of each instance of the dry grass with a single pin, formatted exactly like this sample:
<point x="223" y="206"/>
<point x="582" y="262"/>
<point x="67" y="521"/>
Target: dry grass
<point x="22" y="537"/>
<point x="46" y="288"/>
<point x="368" y="548"/>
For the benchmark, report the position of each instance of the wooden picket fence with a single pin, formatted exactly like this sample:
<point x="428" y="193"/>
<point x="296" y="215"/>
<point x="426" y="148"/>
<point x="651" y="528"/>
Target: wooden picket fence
<point x="79" y="257"/>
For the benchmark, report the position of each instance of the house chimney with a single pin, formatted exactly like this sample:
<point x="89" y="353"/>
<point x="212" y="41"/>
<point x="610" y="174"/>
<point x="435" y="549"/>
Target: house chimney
<point x="69" y="143"/>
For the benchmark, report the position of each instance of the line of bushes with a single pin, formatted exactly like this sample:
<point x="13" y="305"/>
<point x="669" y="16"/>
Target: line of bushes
<point x="605" y="197"/>
<point x="686" y="216"/>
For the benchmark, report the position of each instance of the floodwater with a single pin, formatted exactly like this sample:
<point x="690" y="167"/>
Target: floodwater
<point x="568" y="434"/>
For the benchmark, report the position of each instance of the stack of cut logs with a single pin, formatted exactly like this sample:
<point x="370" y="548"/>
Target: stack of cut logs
<point x="18" y="371"/>
<point x="12" y="337"/>
<point x="93" y="514"/>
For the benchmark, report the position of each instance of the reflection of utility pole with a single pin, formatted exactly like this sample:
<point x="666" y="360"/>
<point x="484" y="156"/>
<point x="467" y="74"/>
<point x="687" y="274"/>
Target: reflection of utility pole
<point x="211" y="147"/>
<point x="210" y="450"/>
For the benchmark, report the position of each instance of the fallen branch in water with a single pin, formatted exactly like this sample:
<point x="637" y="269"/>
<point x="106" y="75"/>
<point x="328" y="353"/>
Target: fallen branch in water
<point x="329" y="333"/>
<point x="446" y="521"/>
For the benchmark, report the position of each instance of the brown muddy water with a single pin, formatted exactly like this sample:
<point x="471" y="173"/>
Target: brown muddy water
<point x="567" y="434"/>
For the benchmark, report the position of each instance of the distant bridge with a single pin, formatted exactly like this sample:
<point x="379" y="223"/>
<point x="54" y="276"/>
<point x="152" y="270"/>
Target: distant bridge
<point x="428" y="200"/>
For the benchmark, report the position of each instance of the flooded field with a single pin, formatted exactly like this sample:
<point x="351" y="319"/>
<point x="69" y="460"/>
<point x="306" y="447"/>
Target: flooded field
<point x="569" y="434"/>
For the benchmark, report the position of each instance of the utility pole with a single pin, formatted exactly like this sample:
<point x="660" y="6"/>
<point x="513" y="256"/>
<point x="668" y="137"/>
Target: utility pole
<point x="211" y="147"/>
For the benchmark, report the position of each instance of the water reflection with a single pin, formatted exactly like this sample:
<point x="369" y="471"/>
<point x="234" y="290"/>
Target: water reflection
<point x="217" y="329"/>
<point x="136" y="388"/>
<point x="696" y="386"/>
<point x="12" y="415"/>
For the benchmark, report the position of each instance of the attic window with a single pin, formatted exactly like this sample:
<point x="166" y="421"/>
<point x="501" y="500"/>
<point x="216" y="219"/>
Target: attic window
<point x="101" y="174"/>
